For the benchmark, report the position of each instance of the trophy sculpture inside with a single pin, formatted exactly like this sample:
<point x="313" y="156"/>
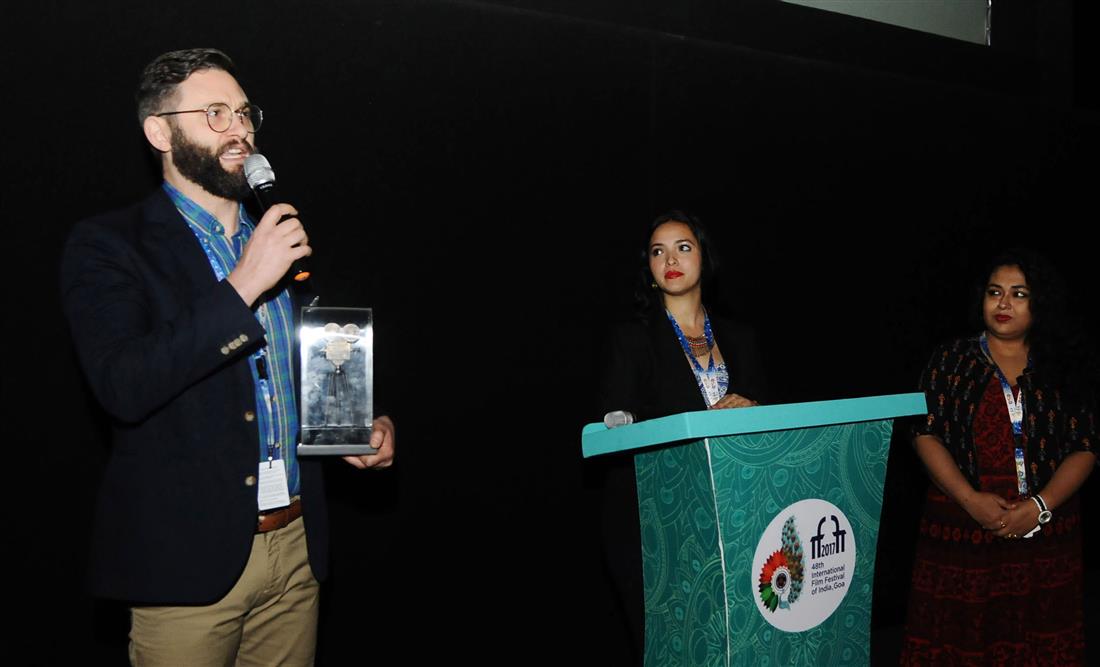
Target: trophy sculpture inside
<point x="337" y="381"/>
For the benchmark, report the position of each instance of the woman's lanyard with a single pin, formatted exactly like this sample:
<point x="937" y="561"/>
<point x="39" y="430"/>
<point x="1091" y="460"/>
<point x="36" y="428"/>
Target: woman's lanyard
<point x="1015" y="415"/>
<point x="707" y="379"/>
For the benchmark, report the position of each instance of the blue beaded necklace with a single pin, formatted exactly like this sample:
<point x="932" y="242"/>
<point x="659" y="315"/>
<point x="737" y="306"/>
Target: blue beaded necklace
<point x="712" y="382"/>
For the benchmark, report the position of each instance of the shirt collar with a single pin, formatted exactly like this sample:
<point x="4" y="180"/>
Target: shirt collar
<point x="202" y="219"/>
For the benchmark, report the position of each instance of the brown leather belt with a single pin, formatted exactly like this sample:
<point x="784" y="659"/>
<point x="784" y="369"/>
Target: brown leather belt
<point x="280" y="518"/>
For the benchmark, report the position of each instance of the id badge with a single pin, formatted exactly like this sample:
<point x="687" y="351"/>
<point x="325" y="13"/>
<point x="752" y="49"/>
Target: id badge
<point x="1021" y="472"/>
<point x="710" y="386"/>
<point x="273" y="490"/>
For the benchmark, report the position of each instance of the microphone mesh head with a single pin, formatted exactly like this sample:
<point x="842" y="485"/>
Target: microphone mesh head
<point x="617" y="418"/>
<point x="258" y="170"/>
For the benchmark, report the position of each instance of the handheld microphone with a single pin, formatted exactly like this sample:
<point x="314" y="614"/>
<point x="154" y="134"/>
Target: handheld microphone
<point x="261" y="178"/>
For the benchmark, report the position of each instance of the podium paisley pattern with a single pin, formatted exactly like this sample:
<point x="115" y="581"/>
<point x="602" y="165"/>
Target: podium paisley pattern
<point x="701" y="611"/>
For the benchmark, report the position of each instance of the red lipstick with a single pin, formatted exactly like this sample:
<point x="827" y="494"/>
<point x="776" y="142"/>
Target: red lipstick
<point x="669" y="275"/>
<point x="1002" y="318"/>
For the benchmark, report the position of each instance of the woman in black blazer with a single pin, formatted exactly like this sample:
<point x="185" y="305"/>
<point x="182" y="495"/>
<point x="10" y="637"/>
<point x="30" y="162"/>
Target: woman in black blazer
<point x="676" y="356"/>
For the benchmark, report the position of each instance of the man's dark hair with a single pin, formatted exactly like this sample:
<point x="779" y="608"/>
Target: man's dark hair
<point x="160" y="77"/>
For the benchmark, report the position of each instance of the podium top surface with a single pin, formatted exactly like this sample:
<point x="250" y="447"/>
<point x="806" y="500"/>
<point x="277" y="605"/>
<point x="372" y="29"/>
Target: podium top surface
<point x="597" y="439"/>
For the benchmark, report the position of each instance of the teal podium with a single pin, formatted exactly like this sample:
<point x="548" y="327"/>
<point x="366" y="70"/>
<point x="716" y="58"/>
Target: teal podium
<point x="759" y="528"/>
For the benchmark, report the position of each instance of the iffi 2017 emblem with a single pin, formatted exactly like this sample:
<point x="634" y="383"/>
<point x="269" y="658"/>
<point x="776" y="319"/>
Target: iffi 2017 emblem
<point x="820" y="546"/>
<point x="784" y="576"/>
<point x="781" y="576"/>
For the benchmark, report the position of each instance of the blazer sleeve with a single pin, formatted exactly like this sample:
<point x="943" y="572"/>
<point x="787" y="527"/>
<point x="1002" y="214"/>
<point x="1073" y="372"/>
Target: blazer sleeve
<point x="627" y="372"/>
<point x="138" y="356"/>
<point x="748" y="377"/>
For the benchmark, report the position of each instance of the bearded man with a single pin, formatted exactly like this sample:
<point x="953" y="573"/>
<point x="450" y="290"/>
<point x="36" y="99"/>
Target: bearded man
<point x="206" y="523"/>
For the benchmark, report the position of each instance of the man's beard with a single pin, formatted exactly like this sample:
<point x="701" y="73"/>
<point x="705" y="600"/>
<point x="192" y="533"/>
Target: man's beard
<point x="201" y="166"/>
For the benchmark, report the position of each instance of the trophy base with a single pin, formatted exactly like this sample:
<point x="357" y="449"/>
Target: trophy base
<point x="335" y="450"/>
<point x="336" y="441"/>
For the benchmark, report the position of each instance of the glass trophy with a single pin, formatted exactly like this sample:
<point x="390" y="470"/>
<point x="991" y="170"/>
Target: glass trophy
<point x="337" y="347"/>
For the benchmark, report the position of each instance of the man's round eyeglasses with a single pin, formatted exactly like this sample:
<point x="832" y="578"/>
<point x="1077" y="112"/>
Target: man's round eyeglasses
<point x="220" y="117"/>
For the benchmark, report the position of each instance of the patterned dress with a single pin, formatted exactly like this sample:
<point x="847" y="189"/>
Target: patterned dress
<point x="980" y="600"/>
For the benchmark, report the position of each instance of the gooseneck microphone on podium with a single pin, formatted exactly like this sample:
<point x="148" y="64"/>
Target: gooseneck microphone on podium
<point x="261" y="178"/>
<point x="617" y="418"/>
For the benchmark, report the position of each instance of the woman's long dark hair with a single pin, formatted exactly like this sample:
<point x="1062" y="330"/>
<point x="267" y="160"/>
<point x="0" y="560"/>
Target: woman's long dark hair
<point x="1058" y="346"/>
<point x="647" y="296"/>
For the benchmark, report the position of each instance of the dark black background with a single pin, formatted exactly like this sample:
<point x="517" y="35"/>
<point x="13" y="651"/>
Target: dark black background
<point x="481" y="174"/>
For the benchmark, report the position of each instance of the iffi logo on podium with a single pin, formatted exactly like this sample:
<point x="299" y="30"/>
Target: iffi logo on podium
<point x="795" y="588"/>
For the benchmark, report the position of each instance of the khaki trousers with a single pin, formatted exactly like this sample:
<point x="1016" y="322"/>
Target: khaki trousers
<point x="269" y="617"/>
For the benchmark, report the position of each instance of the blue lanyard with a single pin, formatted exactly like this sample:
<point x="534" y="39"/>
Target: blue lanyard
<point x="708" y="380"/>
<point x="1015" y="415"/>
<point x="258" y="358"/>
<point x="687" y="348"/>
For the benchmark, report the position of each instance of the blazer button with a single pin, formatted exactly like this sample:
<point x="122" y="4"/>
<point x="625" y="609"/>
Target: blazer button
<point x="225" y="350"/>
<point x="244" y="338"/>
<point x="234" y="344"/>
<point x="249" y="416"/>
<point x="250" y="480"/>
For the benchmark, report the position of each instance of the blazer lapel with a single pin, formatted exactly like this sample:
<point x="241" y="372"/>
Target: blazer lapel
<point x="171" y="241"/>
<point x="672" y="367"/>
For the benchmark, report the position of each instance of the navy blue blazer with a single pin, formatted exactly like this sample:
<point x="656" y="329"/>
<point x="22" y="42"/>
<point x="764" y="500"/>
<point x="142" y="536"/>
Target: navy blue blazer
<point x="152" y="327"/>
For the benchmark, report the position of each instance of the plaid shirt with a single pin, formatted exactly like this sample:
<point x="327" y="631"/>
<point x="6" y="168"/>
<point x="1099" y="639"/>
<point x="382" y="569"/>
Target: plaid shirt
<point x="275" y="313"/>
